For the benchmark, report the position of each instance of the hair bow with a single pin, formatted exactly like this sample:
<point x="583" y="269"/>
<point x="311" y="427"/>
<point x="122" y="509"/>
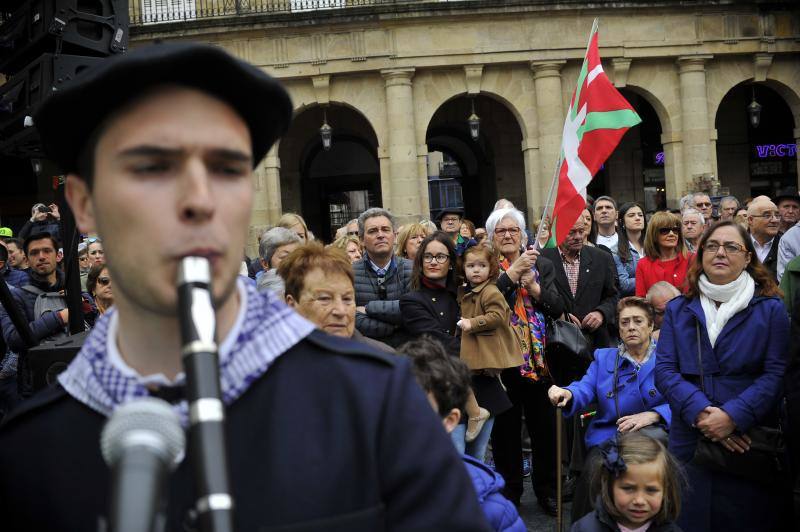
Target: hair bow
<point x="612" y="459"/>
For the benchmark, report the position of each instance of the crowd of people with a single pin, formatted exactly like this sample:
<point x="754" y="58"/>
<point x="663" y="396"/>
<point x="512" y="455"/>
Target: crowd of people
<point x="688" y="416"/>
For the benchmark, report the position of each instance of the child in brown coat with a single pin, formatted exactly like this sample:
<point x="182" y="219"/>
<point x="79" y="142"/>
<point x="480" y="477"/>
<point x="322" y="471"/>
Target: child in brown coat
<point x="487" y="341"/>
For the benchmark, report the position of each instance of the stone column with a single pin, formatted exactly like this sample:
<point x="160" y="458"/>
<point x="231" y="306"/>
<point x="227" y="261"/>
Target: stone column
<point x="422" y="174"/>
<point x="550" y="116"/>
<point x="533" y="180"/>
<point x="797" y="154"/>
<point x="405" y="200"/>
<point x="266" y="198"/>
<point x="673" y="167"/>
<point x="694" y="117"/>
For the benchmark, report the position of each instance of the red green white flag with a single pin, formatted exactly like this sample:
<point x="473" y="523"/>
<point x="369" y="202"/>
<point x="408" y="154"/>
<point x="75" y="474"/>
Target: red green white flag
<point x="597" y="118"/>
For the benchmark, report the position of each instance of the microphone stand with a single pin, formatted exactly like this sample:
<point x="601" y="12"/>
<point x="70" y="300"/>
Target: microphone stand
<point x="207" y="445"/>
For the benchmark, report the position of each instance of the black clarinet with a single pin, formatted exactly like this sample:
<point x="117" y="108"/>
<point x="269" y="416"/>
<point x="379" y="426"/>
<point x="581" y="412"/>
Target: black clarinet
<point x="207" y="446"/>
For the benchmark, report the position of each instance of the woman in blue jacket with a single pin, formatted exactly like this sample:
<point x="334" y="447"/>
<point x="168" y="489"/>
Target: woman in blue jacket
<point x="621" y="382"/>
<point x="732" y="306"/>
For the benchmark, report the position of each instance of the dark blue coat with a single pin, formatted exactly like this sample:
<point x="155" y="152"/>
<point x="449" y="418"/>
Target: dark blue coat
<point x="637" y="393"/>
<point x="334" y="436"/>
<point x="743" y="375"/>
<point x="499" y="511"/>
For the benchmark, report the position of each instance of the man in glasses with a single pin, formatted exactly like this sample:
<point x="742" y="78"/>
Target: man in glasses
<point x="450" y="222"/>
<point x="763" y="223"/>
<point x="381" y="278"/>
<point x="702" y="202"/>
<point x="659" y="295"/>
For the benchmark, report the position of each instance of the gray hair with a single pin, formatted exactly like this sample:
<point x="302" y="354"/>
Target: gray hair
<point x="663" y="289"/>
<point x="374" y="213"/>
<point x="503" y="203"/>
<point x="274" y="238"/>
<point x="497" y="216"/>
<point x="686" y="202"/>
<point x="691" y="211"/>
<point x="730" y="198"/>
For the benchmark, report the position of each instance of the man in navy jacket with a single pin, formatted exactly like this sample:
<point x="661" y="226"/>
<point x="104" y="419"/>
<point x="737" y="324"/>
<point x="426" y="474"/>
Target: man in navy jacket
<point x="323" y="433"/>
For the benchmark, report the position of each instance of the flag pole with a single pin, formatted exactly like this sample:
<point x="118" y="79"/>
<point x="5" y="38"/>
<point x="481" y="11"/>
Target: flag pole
<point x="559" y="160"/>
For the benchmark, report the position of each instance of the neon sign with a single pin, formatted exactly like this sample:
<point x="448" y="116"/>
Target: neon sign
<point x="776" y="150"/>
<point x="660" y="158"/>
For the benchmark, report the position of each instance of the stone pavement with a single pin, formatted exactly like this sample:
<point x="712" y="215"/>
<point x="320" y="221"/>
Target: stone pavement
<point x="533" y="516"/>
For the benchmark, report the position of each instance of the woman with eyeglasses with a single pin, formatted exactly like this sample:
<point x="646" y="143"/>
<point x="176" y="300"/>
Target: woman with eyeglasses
<point x="720" y="362"/>
<point x="98" y="284"/>
<point x="666" y="257"/>
<point x="527" y="281"/>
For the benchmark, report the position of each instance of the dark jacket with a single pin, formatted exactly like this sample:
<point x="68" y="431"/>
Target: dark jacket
<point x="333" y="453"/>
<point x="382" y="320"/>
<point x="13" y="276"/>
<point x="600" y="521"/>
<point x="597" y="291"/>
<point x="550" y="302"/>
<point x="499" y="511"/>
<point x="49" y="225"/>
<point x="771" y="261"/>
<point x="42" y="327"/>
<point x="433" y="312"/>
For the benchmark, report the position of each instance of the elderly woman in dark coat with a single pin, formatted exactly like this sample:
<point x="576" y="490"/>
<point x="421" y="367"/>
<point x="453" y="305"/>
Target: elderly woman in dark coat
<point x="527" y="281"/>
<point x="729" y="383"/>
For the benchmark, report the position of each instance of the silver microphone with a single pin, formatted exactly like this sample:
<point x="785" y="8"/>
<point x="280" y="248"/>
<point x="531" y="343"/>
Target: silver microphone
<point x="141" y="443"/>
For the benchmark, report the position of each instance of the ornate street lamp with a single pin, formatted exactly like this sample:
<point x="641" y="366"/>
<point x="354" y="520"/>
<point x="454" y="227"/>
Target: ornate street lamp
<point x="326" y="131"/>
<point x="754" y="110"/>
<point x="474" y="123"/>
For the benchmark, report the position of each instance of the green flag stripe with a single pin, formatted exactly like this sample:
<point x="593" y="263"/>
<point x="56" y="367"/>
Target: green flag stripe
<point x="619" y="119"/>
<point x="581" y="77"/>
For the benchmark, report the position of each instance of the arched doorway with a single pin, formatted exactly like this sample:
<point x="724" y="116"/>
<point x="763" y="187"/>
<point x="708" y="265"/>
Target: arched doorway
<point x="473" y="174"/>
<point x="329" y="187"/>
<point x="635" y="171"/>
<point x="755" y="160"/>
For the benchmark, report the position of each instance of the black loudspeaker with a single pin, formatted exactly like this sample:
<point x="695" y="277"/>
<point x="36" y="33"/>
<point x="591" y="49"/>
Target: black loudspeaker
<point x="40" y="367"/>
<point x="22" y="94"/>
<point x="79" y="27"/>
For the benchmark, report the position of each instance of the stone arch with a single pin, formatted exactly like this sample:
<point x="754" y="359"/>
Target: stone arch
<point x="656" y="103"/>
<point x="326" y="185"/>
<point x="476" y="171"/>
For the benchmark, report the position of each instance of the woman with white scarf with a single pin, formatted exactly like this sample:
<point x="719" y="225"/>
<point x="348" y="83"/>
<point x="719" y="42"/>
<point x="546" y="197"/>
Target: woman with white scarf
<point x="731" y="321"/>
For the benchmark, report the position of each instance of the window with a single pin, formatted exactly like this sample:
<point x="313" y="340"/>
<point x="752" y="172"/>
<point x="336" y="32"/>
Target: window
<point x="154" y="11"/>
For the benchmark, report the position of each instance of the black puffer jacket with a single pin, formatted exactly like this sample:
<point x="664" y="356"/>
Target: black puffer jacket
<point x="600" y="521"/>
<point x="382" y="320"/>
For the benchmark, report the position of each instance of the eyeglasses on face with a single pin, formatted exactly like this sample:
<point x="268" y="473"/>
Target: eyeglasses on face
<point x="768" y="216"/>
<point x="441" y="258"/>
<point x="664" y="231"/>
<point x="703" y="204"/>
<point x="513" y="231"/>
<point x="451" y="219"/>
<point x="104" y="281"/>
<point x="731" y="248"/>
<point x="352" y="233"/>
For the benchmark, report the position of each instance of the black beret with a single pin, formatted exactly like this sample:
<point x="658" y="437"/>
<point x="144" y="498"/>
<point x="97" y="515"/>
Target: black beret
<point x="450" y="210"/>
<point x="66" y="120"/>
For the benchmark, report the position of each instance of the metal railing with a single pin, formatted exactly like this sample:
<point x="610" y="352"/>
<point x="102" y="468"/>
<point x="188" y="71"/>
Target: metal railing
<point x="145" y="12"/>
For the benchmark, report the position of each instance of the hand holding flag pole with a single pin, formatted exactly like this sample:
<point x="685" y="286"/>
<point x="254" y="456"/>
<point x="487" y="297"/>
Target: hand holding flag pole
<point x="597" y="118"/>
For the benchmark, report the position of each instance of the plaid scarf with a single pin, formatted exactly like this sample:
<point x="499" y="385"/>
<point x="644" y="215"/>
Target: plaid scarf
<point x="265" y="330"/>
<point x="529" y="328"/>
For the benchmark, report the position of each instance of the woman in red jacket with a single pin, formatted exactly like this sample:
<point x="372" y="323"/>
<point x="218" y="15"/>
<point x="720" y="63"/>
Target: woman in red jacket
<point x="666" y="257"/>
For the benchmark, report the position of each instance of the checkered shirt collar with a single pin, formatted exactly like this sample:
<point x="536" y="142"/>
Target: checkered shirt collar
<point x="268" y="328"/>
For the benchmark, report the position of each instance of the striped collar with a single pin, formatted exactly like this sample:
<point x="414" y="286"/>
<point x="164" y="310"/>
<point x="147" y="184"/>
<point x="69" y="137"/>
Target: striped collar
<point x="265" y="328"/>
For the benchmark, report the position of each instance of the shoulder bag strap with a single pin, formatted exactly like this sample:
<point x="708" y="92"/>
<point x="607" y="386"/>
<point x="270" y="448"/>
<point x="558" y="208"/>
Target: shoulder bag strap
<point x="700" y="358"/>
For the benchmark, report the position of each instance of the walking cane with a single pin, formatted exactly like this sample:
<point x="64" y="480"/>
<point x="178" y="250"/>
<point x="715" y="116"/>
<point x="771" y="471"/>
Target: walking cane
<point x="558" y="470"/>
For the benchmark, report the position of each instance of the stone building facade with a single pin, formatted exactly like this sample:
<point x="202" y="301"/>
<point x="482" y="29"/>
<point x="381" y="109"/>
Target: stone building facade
<point x="398" y="80"/>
